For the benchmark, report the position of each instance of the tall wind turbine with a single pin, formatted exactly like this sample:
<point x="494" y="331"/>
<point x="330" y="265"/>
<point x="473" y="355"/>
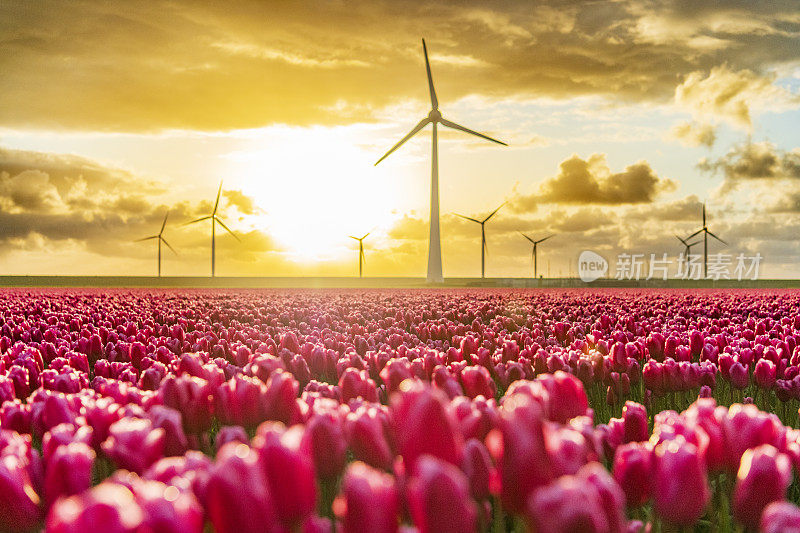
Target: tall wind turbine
<point x="705" y="231"/>
<point x="687" y="247"/>
<point x="160" y="238"/>
<point x="361" y="258"/>
<point x="483" y="234"/>
<point x="534" y="250"/>
<point x="214" y="221"/>
<point x="435" y="118"/>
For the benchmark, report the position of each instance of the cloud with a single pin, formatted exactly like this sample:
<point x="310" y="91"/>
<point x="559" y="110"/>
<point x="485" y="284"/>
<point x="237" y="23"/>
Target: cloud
<point x="694" y="134"/>
<point x="590" y="181"/>
<point x="61" y="198"/>
<point x="754" y="161"/>
<point x="133" y="65"/>
<point x="730" y="95"/>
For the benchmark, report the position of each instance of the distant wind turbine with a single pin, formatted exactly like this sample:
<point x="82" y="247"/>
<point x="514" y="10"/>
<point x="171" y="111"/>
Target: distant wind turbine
<point x="160" y="238"/>
<point x="361" y="258"/>
<point x="483" y="235"/>
<point x="705" y="231"/>
<point x="687" y="248"/>
<point x="214" y="221"/>
<point x="434" y="117"/>
<point x="534" y="255"/>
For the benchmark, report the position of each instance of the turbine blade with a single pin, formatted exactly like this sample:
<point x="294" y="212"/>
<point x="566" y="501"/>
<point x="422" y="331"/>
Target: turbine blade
<point x="216" y="204"/>
<point x="164" y="224"/>
<point x="531" y="240"/>
<point x="455" y="126"/>
<point x="468" y="218"/>
<point x="365" y="236"/>
<point x="422" y="124"/>
<point x="168" y="246"/>
<point x="548" y="237"/>
<point x="493" y="212"/>
<point x="356" y="238"/>
<point x="720" y="240"/>
<point x="683" y="241"/>
<point x="221" y="223"/>
<point x="199" y="219"/>
<point x="434" y="100"/>
<point x="146" y="238"/>
<point x="698" y="232"/>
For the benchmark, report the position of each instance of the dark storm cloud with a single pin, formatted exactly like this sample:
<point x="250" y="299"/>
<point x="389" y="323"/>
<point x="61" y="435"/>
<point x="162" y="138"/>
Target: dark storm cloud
<point x="151" y="65"/>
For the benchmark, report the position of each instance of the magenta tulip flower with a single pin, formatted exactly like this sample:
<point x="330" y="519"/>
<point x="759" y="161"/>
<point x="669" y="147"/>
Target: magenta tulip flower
<point x="368" y="502"/>
<point x="477" y="466"/>
<point x="324" y="441"/>
<point x="680" y="487"/>
<point x="566" y="505"/>
<point x="68" y="471"/>
<point x="134" y="444"/>
<point x="780" y="517"/>
<point x="438" y="498"/>
<point x="366" y="435"/>
<point x="634" y="418"/>
<point x="107" y="507"/>
<point x="763" y="477"/>
<point x="633" y="470"/>
<point x="237" y="497"/>
<point x="19" y="502"/>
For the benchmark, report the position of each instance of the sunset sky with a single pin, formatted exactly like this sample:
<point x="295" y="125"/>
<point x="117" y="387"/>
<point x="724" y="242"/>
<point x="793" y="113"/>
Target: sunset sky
<point x="621" y="117"/>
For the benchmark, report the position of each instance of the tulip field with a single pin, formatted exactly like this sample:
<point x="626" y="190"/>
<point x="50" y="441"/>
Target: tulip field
<point x="371" y="411"/>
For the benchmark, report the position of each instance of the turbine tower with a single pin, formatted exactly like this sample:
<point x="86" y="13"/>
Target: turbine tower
<point x="160" y="238"/>
<point x="214" y="221"/>
<point x="534" y="255"/>
<point x="705" y="231"/>
<point x="483" y="235"/>
<point x="435" y="118"/>
<point x="361" y="258"/>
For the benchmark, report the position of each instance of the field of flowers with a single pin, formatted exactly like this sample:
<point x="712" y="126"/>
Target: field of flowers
<point x="384" y="411"/>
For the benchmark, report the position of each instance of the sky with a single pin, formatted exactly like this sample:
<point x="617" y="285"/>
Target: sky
<point x="621" y="118"/>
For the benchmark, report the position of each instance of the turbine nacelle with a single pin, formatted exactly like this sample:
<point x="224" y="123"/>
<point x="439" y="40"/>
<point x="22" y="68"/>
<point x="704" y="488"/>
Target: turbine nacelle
<point x="435" y="115"/>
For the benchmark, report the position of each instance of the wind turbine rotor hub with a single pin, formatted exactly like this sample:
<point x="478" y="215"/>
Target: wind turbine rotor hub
<point x="435" y="115"/>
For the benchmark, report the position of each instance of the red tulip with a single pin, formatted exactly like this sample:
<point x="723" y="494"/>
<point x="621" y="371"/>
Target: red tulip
<point x="764" y="476"/>
<point x="19" y="503"/>
<point x="765" y="374"/>
<point x="567" y="505"/>
<point x="634" y="418"/>
<point x="238" y="498"/>
<point x="288" y="469"/>
<point x="69" y="471"/>
<point x="424" y="425"/>
<point x="134" y="444"/>
<point x="477" y="381"/>
<point x="680" y="491"/>
<point x="633" y="470"/>
<point x="108" y="507"/>
<point x="228" y="434"/>
<point x="192" y="397"/>
<point x="168" y="419"/>
<point x="780" y="517"/>
<point x="325" y="442"/>
<point x="438" y="498"/>
<point x="366" y="434"/>
<point x="477" y="466"/>
<point x="369" y="502"/>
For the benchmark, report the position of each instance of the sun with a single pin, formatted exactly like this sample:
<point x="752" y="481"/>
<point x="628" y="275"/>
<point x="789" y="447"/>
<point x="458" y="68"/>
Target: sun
<point x="316" y="186"/>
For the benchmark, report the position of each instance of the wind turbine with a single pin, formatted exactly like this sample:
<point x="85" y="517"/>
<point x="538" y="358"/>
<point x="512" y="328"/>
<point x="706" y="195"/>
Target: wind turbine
<point x="435" y="118"/>
<point x="705" y="231"/>
<point x="214" y="221"/>
<point x="361" y="258"/>
<point x="687" y="247"/>
<point x="160" y="238"/>
<point x="534" y="252"/>
<point x="483" y="235"/>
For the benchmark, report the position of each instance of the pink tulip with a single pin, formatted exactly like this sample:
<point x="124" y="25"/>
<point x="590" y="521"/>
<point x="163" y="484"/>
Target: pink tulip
<point x="238" y="498"/>
<point x="366" y="434"/>
<point x="69" y="471"/>
<point x="438" y="497"/>
<point x="19" y="503"/>
<point x="134" y="444"/>
<point x="739" y="376"/>
<point x="369" y="501"/>
<point x="325" y="442"/>
<point x="780" y="517"/>
<point x="228" y="434"/>
<point x="192" y="397"/>
<point x="633" y="470"/>
<point x="764" y="476"/>
<point x="108" y="507"/>
<point x="765" y="374"/>
<point x="634" y="418"/>
<point x="567" y="505"/>
<point x="477" y="381"/>
<point x="680" y="491"/>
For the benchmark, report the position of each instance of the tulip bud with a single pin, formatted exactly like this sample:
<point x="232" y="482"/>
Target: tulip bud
<point x="238" y="499"/>
<point x="780" y="517"/>
<point x="634" y="418"/>
<point x="680" y="492"/>
<point x="566" y="505"/>
<point x="764" y="475"/>
<point x="369" y="501"/>
<point x="69" y="471"/>
<point x="633" y="470"/>
<point x="325" y="442"/>
<point x="134" y="444"/>
<point x="739" y="376"/>
<point x="765" y="374"/>
<point x="477" y="465"/>
<point x="109" y="505"/>
<point x="477" y="381"/>
<point x="438" y="497"/>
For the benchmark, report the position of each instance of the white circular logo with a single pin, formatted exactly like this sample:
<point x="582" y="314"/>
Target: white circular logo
<point x="591" y="266"/>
